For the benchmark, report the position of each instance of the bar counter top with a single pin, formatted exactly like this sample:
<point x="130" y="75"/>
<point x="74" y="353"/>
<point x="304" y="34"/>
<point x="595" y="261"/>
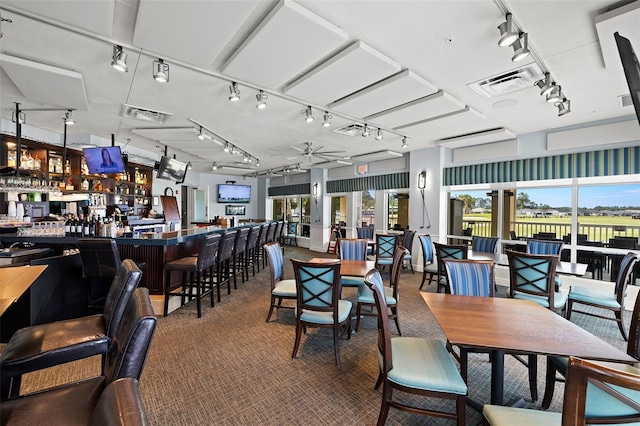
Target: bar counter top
<point x="145" y="239"/>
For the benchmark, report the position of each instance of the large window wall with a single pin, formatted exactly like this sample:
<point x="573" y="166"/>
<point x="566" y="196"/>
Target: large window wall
<point x="294" y="209"/>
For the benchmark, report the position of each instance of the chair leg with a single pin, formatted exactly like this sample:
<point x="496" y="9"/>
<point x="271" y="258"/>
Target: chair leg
<point x="461" y="402"/>
<point x="533" y="377"/>
<point x="568" y="309"/>
<point x="358" y="313"/>
<point x="620" y="319"/>
<point x="394" y="312"/>
<point x="387" y="393"/>
<point x="379" y="381"/>
<point x="198" y="293"/>
<point x="424" y="278"/>
<point x="296" y="345"/>
<point x="550" y="384"/>
<point x="273" y="301"/>
<point x="464" y="363"/>
<point x="336" y="343"/>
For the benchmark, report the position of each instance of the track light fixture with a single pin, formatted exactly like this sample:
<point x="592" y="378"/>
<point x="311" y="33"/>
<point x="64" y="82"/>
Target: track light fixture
<point x="555" y="95"/>
<point x="521" y="47"/>
<point x="245" y="157"/>
<point x="564" y="107"/>
<point x="227" y="147"/>
<point x="327" y="119"/>
<point x="257" y="163"/>
<point x="261" y="97"/>
<point x="68" y="119"/>
<point x="234" y="92"/>
<point x="365" y="131"/>
<point x="405" y="145"/>
<point x="379" y="136"/>
<point x="214" y="166"/>
<point x="201" y="134"/>
<point x="160" y="71"/>
<point x="119" y="59"/>
<point x="308" y="114"/>
<point x="507" y="33"/>
<point x="545" y="85"/>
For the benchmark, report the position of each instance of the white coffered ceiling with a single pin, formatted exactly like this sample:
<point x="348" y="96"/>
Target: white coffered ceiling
<point x="402" y="66"/>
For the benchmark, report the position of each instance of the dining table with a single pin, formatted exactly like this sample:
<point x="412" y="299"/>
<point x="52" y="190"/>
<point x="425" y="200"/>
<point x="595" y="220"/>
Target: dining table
<point x="15" y="281"/>
<point x="500" y="325"/>
<point x="351" y="268"/>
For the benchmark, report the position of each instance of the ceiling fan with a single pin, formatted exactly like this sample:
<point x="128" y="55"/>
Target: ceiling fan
<point x="311" y="153"/>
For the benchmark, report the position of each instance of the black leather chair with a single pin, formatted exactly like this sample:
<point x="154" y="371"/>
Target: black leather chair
<point x="111" y="399"/>
<point x="252" y="247"/>
<point x="239" y="252"/>
<point x="100" y="261"/>
<point x="223" y="260"/>
<point x="260" y="254"/>
<point x="45" y="345"/>
<point x="199" y="265"/>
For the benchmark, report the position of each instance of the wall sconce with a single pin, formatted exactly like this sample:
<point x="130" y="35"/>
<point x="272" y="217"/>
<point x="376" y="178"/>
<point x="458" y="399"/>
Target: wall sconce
<point x="315" y="192"/>
<point x="422" y="179"/>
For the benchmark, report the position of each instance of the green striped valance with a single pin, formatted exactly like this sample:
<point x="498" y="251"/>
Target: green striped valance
<point x="297" y="189"/>
<point x="610" y="162"/>
<point x="366" y="183"/>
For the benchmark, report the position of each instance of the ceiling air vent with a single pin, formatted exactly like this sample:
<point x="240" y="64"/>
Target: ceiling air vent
<point x="143" y="114"/>
<point x="625" y="101"/>
<point x="511" y="81"/>
<point x="350" y="129"/>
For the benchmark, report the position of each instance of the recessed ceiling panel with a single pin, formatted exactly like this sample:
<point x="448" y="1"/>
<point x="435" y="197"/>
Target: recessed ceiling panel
<point x="357" y="66"/>
<point x="94" y="16"/>
<point x="46" y="84"/>
<point x="379" y="155"/>
<point x="477" y="138"/>
<point x="287" y="42"/>
<point x="463" y="121"/>
<point x="192" y="31"/>
<point x="396" y="90"/>
<point x="430" y="106"/>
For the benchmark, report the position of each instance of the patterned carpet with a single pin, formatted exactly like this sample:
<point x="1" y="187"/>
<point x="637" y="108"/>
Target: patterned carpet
<point x="231" y="368"/>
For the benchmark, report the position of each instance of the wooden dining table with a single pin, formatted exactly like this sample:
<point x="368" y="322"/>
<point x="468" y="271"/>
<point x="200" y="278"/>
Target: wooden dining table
<point x="502" y="325"/>
<point x="351" y="268"/>
<point x="15" y="281"/>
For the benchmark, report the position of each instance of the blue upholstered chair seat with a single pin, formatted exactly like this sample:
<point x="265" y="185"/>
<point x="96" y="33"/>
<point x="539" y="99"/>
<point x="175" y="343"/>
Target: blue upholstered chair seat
<point x="347" y="281"/>
<point x="407" y="256"/>
<point x="424" y="364"/>
<point x="344" y="310"/>
<point x="385" y="261"/>
<point x="559" y="299"/>
<point x="432" y="267"/>
<point x="558" y="282"/>
<point x="365" y="295"/>
<point x="285" y="288"/>
<point x="498" y="415"/>
<point x="599" y="297"/>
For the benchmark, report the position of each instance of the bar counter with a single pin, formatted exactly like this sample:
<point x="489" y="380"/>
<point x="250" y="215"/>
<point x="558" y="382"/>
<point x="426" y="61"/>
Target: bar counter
<point x="153" y="249"/>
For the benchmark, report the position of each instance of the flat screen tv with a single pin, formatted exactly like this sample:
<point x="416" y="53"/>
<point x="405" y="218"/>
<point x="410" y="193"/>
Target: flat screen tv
<point x="631" y="70"/>
<point x="104" y="160"/>
<point x="172" y="169"/>
<point x="234" y="193"/>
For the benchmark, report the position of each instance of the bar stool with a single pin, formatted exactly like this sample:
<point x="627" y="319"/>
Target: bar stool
<point x="239" y="249"/>
<point x="199" y="266"/>
<point x="223" y="260"/>
<point x="249" y="257"/>
<point x="259" y="253"/>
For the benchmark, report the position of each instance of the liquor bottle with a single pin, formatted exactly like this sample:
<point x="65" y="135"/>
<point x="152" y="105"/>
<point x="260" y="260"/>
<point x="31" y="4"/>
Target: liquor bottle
<point x="86" y="230"/>
<point x="67" y="168"/>
<point x="37" y="164"/>
<point x="92" y="226"/>
<point x="67" y="227"/>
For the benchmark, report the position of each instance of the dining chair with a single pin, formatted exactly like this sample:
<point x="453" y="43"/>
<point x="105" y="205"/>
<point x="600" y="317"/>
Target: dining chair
<point x="559" y="364"/>
<point x="407" y="243"/>
<point x="392" y="293"/>
<point x="67" y="340"/>
<point x="385" y="245"/>
<point x="611" y="301"/>
<point x="319" y="303"/>
<point x="366" y="233"/>
<point x="484" y="244"/>
<point x="546" y="247"/>
<point x="291" y="238"/>
<point x="429" y="267"/>
<point x="445" y="251"/>
<point x="594" y="393"/>
<point x="352" y="249"/>
<point x="281" y="289"/>
<point x="74" y="403"/>
<point x="413" y="365"/>
<point x="239" y="253"/>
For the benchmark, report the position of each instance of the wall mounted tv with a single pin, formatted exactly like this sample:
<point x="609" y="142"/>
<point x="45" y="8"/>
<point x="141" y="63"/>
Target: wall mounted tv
<point x="631" y="67"/>
<point x="234" y="193"/>
<point x="104" y="160"/>
<point x="172" y="169"/>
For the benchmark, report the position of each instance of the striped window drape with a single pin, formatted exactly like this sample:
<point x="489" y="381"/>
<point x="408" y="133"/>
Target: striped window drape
<point x="365" y="183"/>
<point x="610" y="162"/>
<point x="297" y="189"/>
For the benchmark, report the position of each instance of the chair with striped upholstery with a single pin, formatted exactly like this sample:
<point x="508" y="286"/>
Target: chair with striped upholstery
<point x="352" y="249"/>
<point x="413" y="365"/>
<point x="280" y="288"/>
<point x="445" y="251"/>
<point x="318" y="302"/>
<point x="484" y="244"/>
<point x="429" y="267"/>
<point x="392" y="293"/>
<point x="407" y="242"/>
<point x="595" y="393"/>
<point x="366" y="233"/>
<point x="385" y="245"/>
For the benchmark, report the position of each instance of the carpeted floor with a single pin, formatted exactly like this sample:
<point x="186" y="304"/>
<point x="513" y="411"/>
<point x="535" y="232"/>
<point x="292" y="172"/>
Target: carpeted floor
<point x="231" y="368"/>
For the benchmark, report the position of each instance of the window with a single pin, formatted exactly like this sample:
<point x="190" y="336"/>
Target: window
<point x="294" y="209"/>
<point x="278" y="209"/>
<point x="368" y="208"/>
<point x="339" y="210"/>
<point x="398" y="211"/>
<point x="472" y="213"/>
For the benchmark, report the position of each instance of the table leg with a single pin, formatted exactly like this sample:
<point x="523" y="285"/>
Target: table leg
<point x="497" y="377"/>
